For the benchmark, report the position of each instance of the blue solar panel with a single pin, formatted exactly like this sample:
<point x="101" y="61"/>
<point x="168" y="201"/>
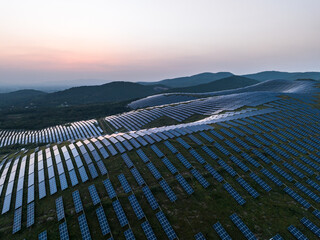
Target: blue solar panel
<point x="42" y="190"/>
<point x="213" y="172"/>
<point x="183" y="143"/>
<point x="63" y="231"/>
<point x="120" y="213"/>
<point x="196" y="140"/>
<point x="166" y="225"/>
<point x="197" y="156"/>
<point x="142" y="155"/>
<point x="94" y="194"/>
<point x="242" y="227"/>
<point x="83" y="174"/>
<point x="124" y="183"/>
<point x="151" y="199"/>
<point x="200" y="178"/>
<point x="247" y="187"/>
<point x="234" y="193"/>
<point x="227" y="168"/>
<point x="262" y="183"/>
<point x="206" y="137"/>
<point x="311" y="226"/>
<point x="104" y="225"/>
<point x="199" y="236"/>
<point x="166" y="188"/>
<point x="19" y="197"/>
<point x="277" y="237"/>
<point x="42" y="235"/>
<point x="60" y="209"/>
<point x="53" y="186"/>
<point x="170" y="147"/>
<point x="30" y="214"/>
<point x="297" y="197"/>
<point x="169" y="165"/>
<point x="148" y="232"/>
<point x="154" y="170"/>
<point x="110" y="190"/>
<point x="17" y="220"/>
<point x="221" y="231"/>
<point x="102" y="168"/>
<point x="127" y="160"/>
<point x="210" y="153"/>
<point x="184" y="161"/>
<point x="184" y="184"/>
<point x="77" y="201"/>
<point x="73" y="177"/>
<point x="128" y="234"/>
<point x="157" y="151"/>
<point x="239" y="163"/>
<point x="271" y="177"/>
<point x="308" y="192"/>
<point x="296" y="233"/>
<point x="136" y="207"/>
<point x="30" y="194"/>
<point x="137" y="176"/>
<point x="84" y="229"/>
<point x="93" y="171"/>
<point x="63" y="182"/>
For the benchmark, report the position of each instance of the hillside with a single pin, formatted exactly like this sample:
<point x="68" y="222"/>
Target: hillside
<point x="232" y="82"/>
<point x="272" y="75"/>
<point x="189" y="81"/>
<point x="19" y="97"/>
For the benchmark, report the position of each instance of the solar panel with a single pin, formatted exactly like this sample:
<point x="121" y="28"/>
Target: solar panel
<point x="77" y="201"/>
<point x="17" y="220"/>
<point x="184" y="161"/>
<point x="19" y="196"/>
<point x="30" y="194"/>
<point x="42" y="235"/>
<point x="102" y="168"/>
<point x="137" y="176"/>
<point x="166" y="225"/>
<point x="30" y="214"/>
<point x="94" y="194"/>
<point x="84" y="229"/>
<point x="63" y="182"/>
<point x="258" y="180"/>
<point x="63" y="231"/>
<point x="128" y="234"/>
<point x="213" y="172"/>
<point x="83" y="174"/>
<point x="184" y="184"/>
<point x="127" y="160"/>
<point x="157" y="151"/>
<point x="73" y="177"/>
<point x="154" y="170"/>
<point x="120" y="213"/>
<point x="234" y="193"/>
<point x="200" y="178"/>
<point x="170" y="147"/>
<point x="142" y="155"/>
<point x="183" y="143"/>
<point x="136" y="207"/>
<point x="151" y="199"/>
<point x="166" y="188"/>
<point x="308" y="192"/>
<point x="42" y="190"/>
<point x="197" y="156"/>
<point x="296" y="233"/>
<point x="227" y="168"/>
<point x="169" y="165"/>
<point x="297" y="197"/>
<point x="199" y="236"/>
<point x="311" y="226"/>
<point x="247" y="187"/>
<point x="221" y="231"/>
<point x="242" y="227"/>
<point x="239" y="163"/>
<point x="110" y="190"/>
<point x="93" y="171"/>
<point x="271" y="177"/>
<point x="53" y="186"/>
<point x="148" y="232"/>
<point x="104" y="225"/>
<point x="124" y="183"/>
<point x="60" y="209"/>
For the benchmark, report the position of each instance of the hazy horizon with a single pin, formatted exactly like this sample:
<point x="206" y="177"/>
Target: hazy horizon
<point x="61" y="42"/>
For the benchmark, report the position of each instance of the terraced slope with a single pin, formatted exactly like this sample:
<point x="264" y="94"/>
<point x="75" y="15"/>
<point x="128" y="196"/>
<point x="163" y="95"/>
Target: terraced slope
<point x="249" y="172"/>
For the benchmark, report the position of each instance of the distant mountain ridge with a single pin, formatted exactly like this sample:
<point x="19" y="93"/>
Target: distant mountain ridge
<point x="227" y="83"/>
<point x="272" y="75"/>
<point x="193" y="80"/>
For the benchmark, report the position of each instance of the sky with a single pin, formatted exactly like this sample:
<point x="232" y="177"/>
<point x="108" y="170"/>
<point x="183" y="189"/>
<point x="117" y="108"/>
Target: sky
<point x="75" y="41"/>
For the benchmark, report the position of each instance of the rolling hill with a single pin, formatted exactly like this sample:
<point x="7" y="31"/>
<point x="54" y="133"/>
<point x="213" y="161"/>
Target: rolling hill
<point x="232" y="82"/>
<point x="272" y="75"/>
<point x="189" y="81"/>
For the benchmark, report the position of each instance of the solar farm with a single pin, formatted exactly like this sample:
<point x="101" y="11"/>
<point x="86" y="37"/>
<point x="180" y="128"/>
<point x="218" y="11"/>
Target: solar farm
<point x="237" y="164"/>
